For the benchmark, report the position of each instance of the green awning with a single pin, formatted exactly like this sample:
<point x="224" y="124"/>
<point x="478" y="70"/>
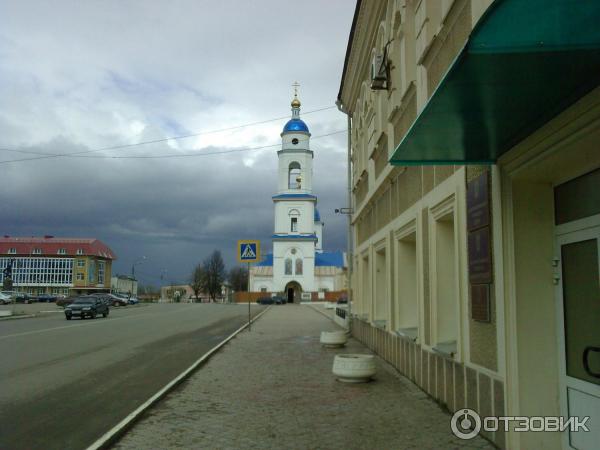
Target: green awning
<point x="525" y="61"/>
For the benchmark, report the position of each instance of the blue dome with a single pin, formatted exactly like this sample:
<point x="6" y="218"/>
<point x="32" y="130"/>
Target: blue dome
<point x="295" y="125"/>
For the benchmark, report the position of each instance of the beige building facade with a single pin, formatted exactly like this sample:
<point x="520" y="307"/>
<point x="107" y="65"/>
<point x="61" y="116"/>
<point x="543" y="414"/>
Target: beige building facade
<point x="54" y="265"/>
<point x="475" y="176"/>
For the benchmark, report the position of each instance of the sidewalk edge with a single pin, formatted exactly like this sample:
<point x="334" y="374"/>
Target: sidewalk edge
<point x="113" y="435"/>
<point x="17" y="317"/>
<point x="324" y="314"/>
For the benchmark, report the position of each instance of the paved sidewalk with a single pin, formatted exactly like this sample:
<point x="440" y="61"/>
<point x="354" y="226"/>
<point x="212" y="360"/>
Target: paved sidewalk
<point x="273" y="388"/>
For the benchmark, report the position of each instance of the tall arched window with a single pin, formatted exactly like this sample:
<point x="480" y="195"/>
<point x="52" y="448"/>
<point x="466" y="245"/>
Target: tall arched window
<point x="298" y="266"/>
<point x="288" y="266"/>
<point x="294" y="176"/>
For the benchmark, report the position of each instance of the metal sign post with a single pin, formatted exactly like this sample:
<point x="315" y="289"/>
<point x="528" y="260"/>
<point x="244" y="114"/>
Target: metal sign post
<point x="248" y="252"/>
<point x="249" y="316"/>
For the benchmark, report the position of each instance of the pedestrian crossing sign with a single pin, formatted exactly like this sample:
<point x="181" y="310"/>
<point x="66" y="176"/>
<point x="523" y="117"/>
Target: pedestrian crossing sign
<point x="248" y="251"/>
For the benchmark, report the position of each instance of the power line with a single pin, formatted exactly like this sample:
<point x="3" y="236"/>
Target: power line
<point x="176" y="155"/>
<point x="198" y="153"/>
<point x="154" y="141"/>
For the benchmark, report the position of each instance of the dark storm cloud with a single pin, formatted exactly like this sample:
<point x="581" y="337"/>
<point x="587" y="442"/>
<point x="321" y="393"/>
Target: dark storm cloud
<point x="80" y="76"/>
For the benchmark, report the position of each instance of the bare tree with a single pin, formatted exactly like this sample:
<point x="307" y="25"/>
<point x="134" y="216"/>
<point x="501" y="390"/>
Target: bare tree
<point x="214" y="270"/>
<point x="238" y="278"/>
<point x="197" y="280"/>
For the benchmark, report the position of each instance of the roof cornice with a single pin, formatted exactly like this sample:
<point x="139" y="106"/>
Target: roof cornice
<point x="367" y="17"/>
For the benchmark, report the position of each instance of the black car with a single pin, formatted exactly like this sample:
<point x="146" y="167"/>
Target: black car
<point x="271" y="301"/>
<point x="23" y="297"/>
<point x="64" y="301"/>
<point x="46" y="298"/>
<point x="87" y="306"/>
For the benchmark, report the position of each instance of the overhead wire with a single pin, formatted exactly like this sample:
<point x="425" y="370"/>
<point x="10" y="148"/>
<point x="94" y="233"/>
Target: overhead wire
<point x="153" y="141"/>
<point x="201" y="153"/>
<point x="175" y="155"/>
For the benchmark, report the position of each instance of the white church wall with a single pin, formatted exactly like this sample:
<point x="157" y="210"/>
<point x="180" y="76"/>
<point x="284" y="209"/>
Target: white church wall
<point x="319" y="232"/>
<point x="287" y="141"/>
<point x="280" y="279"/>
<point x="258" y="283"/>
<point x="302" y="157"/>
<point x="283" y="218"/>
<point x="325" y="283"/>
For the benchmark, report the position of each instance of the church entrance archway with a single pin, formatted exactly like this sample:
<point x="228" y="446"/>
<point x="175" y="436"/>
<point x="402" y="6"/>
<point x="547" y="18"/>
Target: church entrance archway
<point x="293" y="292"/>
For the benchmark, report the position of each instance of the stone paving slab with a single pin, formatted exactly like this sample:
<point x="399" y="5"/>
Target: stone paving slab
<point x="272" y="387"/>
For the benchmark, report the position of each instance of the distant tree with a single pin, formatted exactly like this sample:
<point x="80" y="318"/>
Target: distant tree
<point x="214" y="270"/>
<point x="197" y="280"/>
<point x="238" y="278"/>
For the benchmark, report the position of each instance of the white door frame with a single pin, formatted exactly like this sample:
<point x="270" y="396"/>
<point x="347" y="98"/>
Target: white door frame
<point x="568" y="233"/>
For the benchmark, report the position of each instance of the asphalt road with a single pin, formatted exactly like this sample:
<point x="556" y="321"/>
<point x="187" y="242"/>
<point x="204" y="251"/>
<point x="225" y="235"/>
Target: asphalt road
<point x="64" y="384"/>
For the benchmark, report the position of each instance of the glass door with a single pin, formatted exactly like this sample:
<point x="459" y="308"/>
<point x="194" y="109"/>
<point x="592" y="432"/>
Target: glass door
<point x="578" y="294"/>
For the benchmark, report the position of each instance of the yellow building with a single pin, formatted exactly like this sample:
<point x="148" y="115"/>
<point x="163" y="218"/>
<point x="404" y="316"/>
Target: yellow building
<point x="59" y="266"/>
<point x="475" y="179"/>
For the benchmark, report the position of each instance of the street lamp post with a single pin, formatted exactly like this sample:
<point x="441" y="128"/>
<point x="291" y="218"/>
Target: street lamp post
<point x="135" y="263"/>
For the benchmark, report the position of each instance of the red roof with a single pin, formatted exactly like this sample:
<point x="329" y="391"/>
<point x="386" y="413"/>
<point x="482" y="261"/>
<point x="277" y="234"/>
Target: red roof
<point x="50" y="246"/>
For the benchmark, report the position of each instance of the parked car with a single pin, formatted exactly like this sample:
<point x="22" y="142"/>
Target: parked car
<point x="133" y="300"/>
<point x="46" y="298"/>
<point x="23" y="297"/>
<point x="5" y="299"/>
<point x="342" y="301"/>
<point x="88" y="306"/>
<point x="279" y="300"/>
<point x="115" y="300"/>
<point x="65" y="301"/>
<point x="265" y="301"/>
<point x="103" y="296"/>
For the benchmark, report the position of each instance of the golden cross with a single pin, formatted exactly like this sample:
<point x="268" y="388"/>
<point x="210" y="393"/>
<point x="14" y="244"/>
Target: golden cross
<point x="295" y="85"/>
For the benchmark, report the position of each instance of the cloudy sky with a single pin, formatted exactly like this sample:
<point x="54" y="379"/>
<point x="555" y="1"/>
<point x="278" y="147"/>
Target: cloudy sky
<point x="90" y="78"/>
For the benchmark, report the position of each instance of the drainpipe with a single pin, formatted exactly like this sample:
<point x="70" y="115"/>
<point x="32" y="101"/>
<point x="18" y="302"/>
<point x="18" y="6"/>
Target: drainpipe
<point x="351" y="211"/>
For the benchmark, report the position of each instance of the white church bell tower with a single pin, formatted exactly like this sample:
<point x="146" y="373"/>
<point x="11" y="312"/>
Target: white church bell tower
<point x="295" y="238"/>
<point x="299" y="268"/>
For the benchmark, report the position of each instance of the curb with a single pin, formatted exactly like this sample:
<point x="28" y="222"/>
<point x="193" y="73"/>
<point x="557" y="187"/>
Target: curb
<point x="348" y="332"/>
<point x="25" y="316"/>
<point x="323" y="314"/>
<point x="113" y="435"/>
<point x="41" y="313"/>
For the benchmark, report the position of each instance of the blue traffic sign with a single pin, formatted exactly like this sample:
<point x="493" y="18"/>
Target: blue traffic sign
<point x="248" y="251"/>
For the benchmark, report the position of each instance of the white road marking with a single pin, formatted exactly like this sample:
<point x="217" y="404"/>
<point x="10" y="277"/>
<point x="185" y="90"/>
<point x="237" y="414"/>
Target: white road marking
<point x="27" y="333"/>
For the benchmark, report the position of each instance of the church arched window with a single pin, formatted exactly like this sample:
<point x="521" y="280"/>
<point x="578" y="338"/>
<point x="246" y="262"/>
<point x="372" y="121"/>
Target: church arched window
<point x="288" y="266"/>
<point x="298" y="266"/>
<point x="294" y="217"/>
<point x="294" y="176"/>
